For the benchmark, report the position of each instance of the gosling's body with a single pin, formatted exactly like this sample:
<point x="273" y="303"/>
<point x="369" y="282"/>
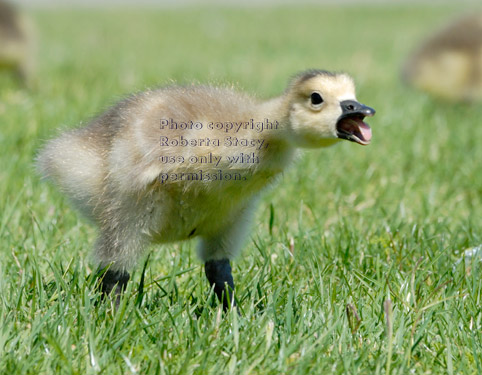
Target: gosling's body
<point x="14" y="42"/>
<point x="111" y="169"/>
<point x="449" y="64"/>
<point x="113" y="172"/>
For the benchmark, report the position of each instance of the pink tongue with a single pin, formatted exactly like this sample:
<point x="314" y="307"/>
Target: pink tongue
<point x="365" y="130"/>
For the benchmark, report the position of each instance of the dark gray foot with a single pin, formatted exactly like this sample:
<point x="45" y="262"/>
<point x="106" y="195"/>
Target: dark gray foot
<point x="114" y="281"/>
<point x="218" y="273"/>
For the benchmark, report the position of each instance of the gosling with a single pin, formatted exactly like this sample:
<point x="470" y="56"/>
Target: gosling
<point x="449" y="64"/>
<point x="191" y="161"/>
<point x="15" y="44"/>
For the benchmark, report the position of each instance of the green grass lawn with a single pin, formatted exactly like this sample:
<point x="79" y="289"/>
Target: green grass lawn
<point x="352" y="263"/>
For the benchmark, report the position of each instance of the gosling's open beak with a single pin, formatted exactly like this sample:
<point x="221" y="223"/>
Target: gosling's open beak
<point x="350" y="124"/>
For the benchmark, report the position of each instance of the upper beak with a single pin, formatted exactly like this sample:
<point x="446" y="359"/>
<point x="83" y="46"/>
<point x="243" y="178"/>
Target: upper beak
<point x="352" y="107"/>
<point x="350" y="124"/>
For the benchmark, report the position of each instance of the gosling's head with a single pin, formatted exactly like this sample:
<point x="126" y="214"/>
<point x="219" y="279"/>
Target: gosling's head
<point x="323" y="110"/>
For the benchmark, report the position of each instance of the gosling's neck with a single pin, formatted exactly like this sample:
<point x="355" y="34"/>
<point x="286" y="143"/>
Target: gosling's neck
<point x="276" y="110"/>
<point x="280" y="151"/>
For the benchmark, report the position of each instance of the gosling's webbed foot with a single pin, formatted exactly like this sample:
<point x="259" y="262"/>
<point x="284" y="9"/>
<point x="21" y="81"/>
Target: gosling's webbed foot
<point x="219" y="274"/>
<point x="113" y="282"/>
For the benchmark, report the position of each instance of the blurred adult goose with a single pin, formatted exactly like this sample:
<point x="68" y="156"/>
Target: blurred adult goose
<point x="15" y="46"/>
<point x="449" y="64"/>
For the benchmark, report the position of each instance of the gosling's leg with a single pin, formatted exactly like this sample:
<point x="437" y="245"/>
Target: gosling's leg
<point x="216" y="251"/>
<point x="219" y="275"/>
<point x="116" y="251"/>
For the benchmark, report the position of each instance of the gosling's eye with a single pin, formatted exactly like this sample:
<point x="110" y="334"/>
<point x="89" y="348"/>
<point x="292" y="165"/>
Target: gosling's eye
<point x="316" y="98"/>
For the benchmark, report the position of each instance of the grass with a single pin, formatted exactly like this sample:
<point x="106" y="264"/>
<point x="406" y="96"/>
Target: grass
<point x="352" y="264"/>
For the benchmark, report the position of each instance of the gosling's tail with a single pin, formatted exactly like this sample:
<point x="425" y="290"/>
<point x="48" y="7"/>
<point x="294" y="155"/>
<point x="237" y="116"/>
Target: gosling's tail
<point x="75" y="166"/>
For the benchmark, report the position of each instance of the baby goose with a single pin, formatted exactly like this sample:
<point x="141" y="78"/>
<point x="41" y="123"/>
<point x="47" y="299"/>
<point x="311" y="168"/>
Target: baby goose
<point x="190" y="161"/>
<point x="449" y="64"/>
<point x="14" y="44"/>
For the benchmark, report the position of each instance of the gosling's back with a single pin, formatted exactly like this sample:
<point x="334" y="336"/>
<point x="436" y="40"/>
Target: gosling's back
<point x="119" y="151"/>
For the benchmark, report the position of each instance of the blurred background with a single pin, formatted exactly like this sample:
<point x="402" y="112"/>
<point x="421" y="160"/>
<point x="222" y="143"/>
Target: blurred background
<point x="421" y="167"/>
<point x="341" y="225"/>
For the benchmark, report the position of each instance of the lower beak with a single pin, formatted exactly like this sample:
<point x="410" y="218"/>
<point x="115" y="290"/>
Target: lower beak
<point x="350" y="124"/>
